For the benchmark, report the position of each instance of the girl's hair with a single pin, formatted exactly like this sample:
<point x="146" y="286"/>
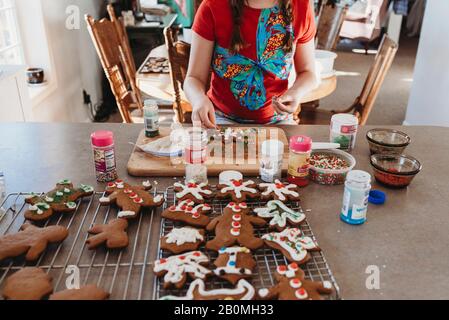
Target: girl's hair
<point x="237" y="42"/>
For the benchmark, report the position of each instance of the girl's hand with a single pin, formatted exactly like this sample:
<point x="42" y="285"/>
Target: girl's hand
<point x="288" y="103"/>
<point x="203" y="114"/>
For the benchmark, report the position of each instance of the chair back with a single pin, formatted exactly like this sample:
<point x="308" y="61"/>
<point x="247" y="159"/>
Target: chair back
<point x="376" y="76"/>
<point x="331" y="18"/>
<point x="113" y="59"/>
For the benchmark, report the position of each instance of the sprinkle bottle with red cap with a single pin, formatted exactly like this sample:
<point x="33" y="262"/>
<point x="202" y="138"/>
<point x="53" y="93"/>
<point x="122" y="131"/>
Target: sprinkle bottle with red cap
<point x="299" y="160"/>
<point x="104" y="156"/>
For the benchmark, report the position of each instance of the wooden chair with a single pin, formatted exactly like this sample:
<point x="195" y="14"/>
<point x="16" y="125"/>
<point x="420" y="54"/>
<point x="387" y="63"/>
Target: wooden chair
<point x="113" y="59"/>
<point x="364" y="103"/>
<point x="331" y="18"/>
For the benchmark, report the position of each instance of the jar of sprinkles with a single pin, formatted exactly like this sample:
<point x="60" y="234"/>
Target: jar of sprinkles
<point x="343" y="130"/>
<point x="356" y="196"/>
<point x="298" y="164"/>
<point x="104" y="156"/>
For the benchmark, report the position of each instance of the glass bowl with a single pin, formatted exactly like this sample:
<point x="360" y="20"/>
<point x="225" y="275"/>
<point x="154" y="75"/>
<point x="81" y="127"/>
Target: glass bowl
<point x="396" y="171"/>
<point x="332" y="176"/>
<point x="387" y="141"/>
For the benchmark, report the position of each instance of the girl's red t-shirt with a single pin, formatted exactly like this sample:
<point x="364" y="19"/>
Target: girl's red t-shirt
<point x="214" y="22"/>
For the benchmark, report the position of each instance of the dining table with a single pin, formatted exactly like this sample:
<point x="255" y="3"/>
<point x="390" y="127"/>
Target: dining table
<point x="402" y="246"/>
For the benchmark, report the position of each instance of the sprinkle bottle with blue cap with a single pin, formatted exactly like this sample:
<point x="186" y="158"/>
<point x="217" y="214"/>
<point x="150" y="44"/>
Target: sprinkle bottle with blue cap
<point x="355" y="199"/>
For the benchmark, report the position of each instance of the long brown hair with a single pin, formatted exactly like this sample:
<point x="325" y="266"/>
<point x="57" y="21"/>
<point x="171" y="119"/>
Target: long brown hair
<point x="237" y="42"/>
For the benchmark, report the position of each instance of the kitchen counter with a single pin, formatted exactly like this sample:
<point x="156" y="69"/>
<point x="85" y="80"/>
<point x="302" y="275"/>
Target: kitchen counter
<point x="406" y="239"/>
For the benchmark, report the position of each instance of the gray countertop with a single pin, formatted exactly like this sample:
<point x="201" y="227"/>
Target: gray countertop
<point x="406" y="238"/>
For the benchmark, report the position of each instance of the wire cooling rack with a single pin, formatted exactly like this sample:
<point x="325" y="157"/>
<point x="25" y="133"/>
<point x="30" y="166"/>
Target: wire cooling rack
<point x="316" y="269"/>
<point x="124" y="273"/>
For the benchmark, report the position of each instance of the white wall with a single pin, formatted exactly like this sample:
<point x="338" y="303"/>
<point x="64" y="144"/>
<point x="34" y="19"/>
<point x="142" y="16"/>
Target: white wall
<point x="429" y="98"/>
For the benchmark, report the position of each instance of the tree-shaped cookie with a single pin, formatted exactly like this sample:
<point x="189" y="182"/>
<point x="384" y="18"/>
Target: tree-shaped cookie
<point x="197" y="291"/>
<point x="86" y="293"/>
<point x="130" y="199"/>
<point x="238" y="190"/>
<point x="62" y="199"/>
<point x="196" y="192"/>
<point x="113" y="234"/>
<point x="180" y="240"/>
<point x="234" y="263"/>
<point x="176" y="268"/>
<point x="235" y="226"/>
<point x="280" y="215"/>
<point x="292" y="244"/>
<point x="28" y="284"/>
<point x="187" y="212"/>
<point x="292" y="285"/>
<point x="279" y="191"/>
<point x="31" y="241"/>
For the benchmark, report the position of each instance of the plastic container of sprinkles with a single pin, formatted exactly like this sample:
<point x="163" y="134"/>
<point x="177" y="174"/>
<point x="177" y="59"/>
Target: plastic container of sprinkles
<point x="104" y="156"/>
<point x="330" y="167"/>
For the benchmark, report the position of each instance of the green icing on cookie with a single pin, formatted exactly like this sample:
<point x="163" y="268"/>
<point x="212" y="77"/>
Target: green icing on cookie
<point x="65" y="182"/>
<point x="86" y="188"/>
<point x="71" y="205"/>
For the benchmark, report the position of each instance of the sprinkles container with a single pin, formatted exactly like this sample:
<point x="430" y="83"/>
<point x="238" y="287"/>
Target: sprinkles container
<point x="344" y="130"/>
<point x="330" y="167"/>
<point x="104" y="156"/>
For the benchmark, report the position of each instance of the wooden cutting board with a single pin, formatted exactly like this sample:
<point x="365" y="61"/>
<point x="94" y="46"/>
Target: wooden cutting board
<point x="144" y="165"/>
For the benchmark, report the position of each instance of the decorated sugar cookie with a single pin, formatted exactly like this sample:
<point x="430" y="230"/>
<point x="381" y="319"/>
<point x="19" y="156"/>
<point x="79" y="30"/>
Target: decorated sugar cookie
<point x="196" y="192"/>
<point x="234" y="263"/>
<point x="235" y="226"/>
<point x="130" y="199"/>
<point x="186" y="211"/>
<point x="280" y="215"/>
<point x="292" y="285"/>
<point x="180" y="240"/>
<point x="62" y="199"/>
<point x="238" y="190"/>
<point x="279" y="191"/>
<point x="197" y="291"/>
<point x="176" y="268"/>
<point x="292" y="243"/>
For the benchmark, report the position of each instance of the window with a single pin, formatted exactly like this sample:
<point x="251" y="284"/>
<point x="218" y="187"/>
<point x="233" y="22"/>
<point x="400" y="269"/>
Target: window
<point x="10" y="45"/>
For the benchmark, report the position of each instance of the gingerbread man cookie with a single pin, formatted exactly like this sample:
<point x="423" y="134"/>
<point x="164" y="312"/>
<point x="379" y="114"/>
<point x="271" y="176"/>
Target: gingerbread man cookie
<point x="62" y="199"/>
<point x="86" y="293"/>
<point x="280" y="215"/>
<point x="292" y="285"/>
<point x="238" y="190"/>
<point x="197" y="291"/>
<point x="186" y="211"/>
<point x="292" y="243"/>
<point x="192" y="191"/>
<point x="28" y="284"/>
<point x="112" y="234"/>
<point x="234" y="264"/>
<point x="31" y="241"/>
<point x="279" y="191"/>
<point x="235" y="226"/>
<point x="131" y="199"/>
<point x="176" y="268"/>
<point x="181" y="240"/>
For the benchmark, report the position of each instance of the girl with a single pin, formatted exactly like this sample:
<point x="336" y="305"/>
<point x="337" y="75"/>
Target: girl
<point x="253" y="45"/>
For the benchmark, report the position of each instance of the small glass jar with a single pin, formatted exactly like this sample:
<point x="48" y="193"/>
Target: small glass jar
<point x="196" y="155"/>
<point x="271" y="160"/>
<point x="343" y="130"/>
<point x="356" y="196"/>
<point x="151" y="118"/>
<point x="299" y="160"/>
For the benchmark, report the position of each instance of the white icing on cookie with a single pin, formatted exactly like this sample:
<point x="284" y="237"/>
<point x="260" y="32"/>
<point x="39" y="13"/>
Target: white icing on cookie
<point x="105" y="200"/>
<point x="33" y="208"/>
<point x="231" y="267"/>
<point x="243" y="287"/>
<point x="295" y="283"/>
<point x="292" y="241"/>
<point x="188" y="207"/>
<point x="301" y="294"/>
<point x="184" y="235"/>
<point x="71" y="205"/>
<point x="327" y="284"/>
<point x="67" y="190"/>
<point x="263" y="292"/>
<point x="237" y="207"/>
<point x="196" y="190"/>
<point x="279" y="189"/>
<point x="238" y="186"/>
<point x="146" y="184"/>
<point x="288" y="271"/>
<point x="59" y="194"/>
<point x="125" y="214"/>
<point x="158" y="199"/>
<point x="177" y="266"/>
<point x="280" y="213"/>
<point x="49" y="199"/>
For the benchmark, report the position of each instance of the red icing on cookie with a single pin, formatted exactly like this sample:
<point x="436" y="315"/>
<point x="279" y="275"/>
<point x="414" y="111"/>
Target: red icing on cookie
<point x="293" y="266"/>
<point x="192" y="185"/>
<point x="282" y="269"/>
<point x="280" y="185"/>
<point x="237" y="183"/>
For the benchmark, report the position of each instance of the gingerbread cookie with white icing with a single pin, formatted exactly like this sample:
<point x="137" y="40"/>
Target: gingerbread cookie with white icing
<point x="130" y="199"/>
<point x="238" y="190"/>
<point x="292" y="244"/>
<point x="235" y="226"/>
<point x="234" y="264"/>
<point x="292" y="285"/>
<point x="197" y="291"/>
<point x="62" y="199"/>
<point x="279" y="191"/>
<point x="279" y="215"/>
<point x="180" y="240"/>
<point x="188" y="212"/>
<point x="196" y="192"/>
<point x="175" y="269"/>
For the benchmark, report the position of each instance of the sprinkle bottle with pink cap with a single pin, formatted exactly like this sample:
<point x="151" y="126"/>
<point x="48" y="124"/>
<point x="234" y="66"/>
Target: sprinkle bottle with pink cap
<point x="299" y="160"/>
<point x="104" y="156"/>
